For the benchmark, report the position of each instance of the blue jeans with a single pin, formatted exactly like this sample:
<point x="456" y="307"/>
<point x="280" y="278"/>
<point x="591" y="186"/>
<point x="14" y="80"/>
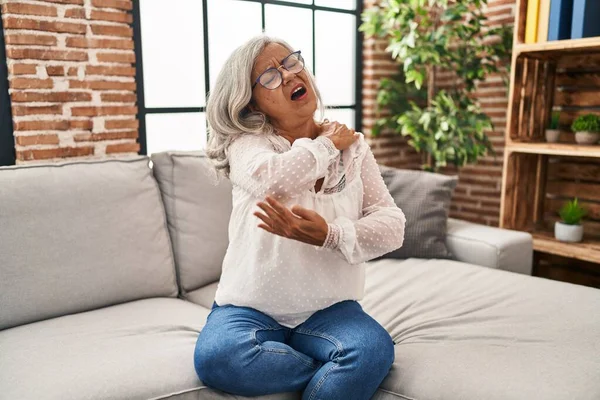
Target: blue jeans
<point x="340" y="352"/>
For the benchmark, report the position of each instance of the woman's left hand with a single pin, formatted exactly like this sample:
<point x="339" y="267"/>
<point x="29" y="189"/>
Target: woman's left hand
<point x="299" y="223"/>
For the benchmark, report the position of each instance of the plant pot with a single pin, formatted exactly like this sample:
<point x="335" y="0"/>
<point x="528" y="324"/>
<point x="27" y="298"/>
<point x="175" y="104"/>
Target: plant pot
<point x="587" y="137"/>
<point x="552" y="135"/>
<point x="568" y="233"/>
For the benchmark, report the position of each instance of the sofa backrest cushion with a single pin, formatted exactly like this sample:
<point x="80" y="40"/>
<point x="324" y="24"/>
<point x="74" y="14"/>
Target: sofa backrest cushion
<point x="76" y="236"/>
<point x="198" y="206"/>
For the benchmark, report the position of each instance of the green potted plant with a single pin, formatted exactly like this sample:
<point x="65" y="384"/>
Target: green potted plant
<point x="587" y="129"/>
<point x="570" y="228"/>
<point x="430" y="38"/>
<point x="552" y="133"/>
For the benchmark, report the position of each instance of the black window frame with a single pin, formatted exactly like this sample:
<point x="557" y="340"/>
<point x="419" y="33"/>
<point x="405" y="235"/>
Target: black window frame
<point x="139" y="76"/>
<point x="7" y="140"/>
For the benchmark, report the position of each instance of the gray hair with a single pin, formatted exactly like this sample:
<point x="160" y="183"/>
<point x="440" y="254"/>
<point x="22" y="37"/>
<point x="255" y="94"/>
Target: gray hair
<point x="227" y="109"/>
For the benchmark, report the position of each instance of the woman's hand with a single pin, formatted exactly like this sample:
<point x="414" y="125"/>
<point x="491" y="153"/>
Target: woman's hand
<point x="341" y="136"/>
<point x="299" y="224"/>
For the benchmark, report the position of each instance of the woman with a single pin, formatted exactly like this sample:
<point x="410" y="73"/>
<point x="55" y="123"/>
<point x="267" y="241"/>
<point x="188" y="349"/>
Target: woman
<point x="309" y="208"/>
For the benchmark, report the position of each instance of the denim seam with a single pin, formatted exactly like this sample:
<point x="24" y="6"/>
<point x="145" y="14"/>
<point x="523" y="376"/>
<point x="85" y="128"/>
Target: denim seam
<point x="321" y="381"/>
<point x="331" y="339"/>
<point x="259" y="345"/>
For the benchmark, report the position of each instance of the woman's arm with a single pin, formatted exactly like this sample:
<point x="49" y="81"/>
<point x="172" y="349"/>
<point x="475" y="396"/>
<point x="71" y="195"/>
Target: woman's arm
<point x="379" y="231"/>
<point x="257" y="168"/>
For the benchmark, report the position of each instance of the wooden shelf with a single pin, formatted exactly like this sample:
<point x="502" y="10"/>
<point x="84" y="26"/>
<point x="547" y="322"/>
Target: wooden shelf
<point x="555" y="149"/>
<point x="588" y="250"/>
<point x="559" y="46"/>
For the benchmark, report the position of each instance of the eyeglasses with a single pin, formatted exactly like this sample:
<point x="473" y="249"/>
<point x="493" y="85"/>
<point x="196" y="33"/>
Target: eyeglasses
<point x="272" y="77"/>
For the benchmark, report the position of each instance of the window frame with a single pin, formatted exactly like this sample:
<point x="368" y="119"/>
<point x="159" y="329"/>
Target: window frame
<point x="139" y="76"/>
<point x="7" y="140"/>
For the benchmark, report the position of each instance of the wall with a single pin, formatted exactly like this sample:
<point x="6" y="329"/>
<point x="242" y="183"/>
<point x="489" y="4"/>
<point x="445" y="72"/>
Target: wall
<point x="477" y="197"/>
<point x="71" y="78"/>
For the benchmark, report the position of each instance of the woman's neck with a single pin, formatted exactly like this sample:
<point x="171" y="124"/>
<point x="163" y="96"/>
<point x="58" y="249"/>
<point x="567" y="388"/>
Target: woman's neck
<point x="308" y="129"/>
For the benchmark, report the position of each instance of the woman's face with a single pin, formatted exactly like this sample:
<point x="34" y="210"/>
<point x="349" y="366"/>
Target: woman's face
<point x="281" y="105"/>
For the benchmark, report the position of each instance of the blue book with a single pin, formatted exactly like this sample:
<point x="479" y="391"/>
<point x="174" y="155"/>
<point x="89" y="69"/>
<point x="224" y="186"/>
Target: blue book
<point x="586" y="19"/>
<point x="561" y="16"/>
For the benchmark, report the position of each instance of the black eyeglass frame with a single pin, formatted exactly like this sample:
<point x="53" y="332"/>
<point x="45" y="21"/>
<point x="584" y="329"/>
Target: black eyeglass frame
<point x="300" y="58"/>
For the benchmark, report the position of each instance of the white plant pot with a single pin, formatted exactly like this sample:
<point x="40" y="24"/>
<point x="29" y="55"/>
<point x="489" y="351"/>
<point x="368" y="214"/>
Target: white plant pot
<point x="568" y="233"/>
<point x="587" y="137"/>
<point x="552" y="135"/>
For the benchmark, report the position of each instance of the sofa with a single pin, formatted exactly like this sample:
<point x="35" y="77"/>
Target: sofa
<point x="108" y="269"/>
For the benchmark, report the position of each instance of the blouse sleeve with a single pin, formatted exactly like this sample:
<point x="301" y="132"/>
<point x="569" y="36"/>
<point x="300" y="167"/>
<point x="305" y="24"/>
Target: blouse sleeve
<point x="259" y="169"/>
<point x="381" y="228"/>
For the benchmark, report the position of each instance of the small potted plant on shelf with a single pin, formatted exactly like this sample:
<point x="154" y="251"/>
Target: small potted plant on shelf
<point x="570" y="228"/>
<point x="587" y="129"/>
<point x="552" y="133"/>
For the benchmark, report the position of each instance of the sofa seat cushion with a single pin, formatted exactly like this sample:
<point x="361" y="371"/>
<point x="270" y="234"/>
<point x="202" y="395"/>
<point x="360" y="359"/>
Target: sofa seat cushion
<point x="470" y="333"/>
<point x="138" y="350"/>
<point x="205" y="296"/>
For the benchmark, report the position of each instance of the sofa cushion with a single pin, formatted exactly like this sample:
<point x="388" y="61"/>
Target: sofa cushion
<point x="80" y="235"/>
<point x="205" y="296"/>
<point x="198" y="210"/>
<point x="470" y="333"/>
<point x="425" y="199"/>
<point x="138" y="350"/>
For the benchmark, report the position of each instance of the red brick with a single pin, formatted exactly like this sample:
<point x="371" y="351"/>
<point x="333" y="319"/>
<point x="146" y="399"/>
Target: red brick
<point x="125" y="58"/>
<point x="120" y="4"/>
<point x="86" y="124"/>
<point x="76" y="12"/>
<point x="72" y="71"/>
<point x="36" y="110"/>
<point x="119" y="97"/>
<point x="106" y="110"/>
<point x="23" y="69"/>
<point x="79" y="2"/>
<point x="102" y="85"/>
<point x="123" y="148"/>
<point x="112" y="30"/>
<point x="113" y="16"/>
<point x="31" y="140"/>
<point x="29" y="9"/>
<point x="55" y="70"/>
<point x="46" y="26"/>
<point x="59" y="152"/>
<point x="89" y="137"/>
<point x="81" y="42"/>
<point x="40" y="54"/>
<point x="31" y="83"/>
<point x="110" y="71"/>
<point x="41" y="125"/>
<point x="37" y="40"/>
<point x="122" y="124"/>
<point x="52" y="97"/>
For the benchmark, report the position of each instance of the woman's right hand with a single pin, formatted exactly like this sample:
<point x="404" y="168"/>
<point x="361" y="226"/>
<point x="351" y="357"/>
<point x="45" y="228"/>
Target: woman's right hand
<point x="341" y="136"/>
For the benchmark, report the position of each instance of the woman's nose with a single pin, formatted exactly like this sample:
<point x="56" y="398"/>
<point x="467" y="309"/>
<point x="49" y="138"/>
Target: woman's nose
<point x="287" y="75"/>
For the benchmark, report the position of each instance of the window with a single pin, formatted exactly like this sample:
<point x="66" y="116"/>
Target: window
<point x="181" y="48"/>
<point x="7" y="143"/>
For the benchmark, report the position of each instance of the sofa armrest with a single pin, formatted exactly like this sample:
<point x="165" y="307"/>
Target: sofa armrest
<point x="490" y="247"/>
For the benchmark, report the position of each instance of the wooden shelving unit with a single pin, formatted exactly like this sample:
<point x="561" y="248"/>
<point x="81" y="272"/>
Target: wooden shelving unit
<point x="539" y="176"/>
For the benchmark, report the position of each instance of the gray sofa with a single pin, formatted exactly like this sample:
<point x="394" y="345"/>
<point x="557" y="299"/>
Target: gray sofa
<point x="108" y="270"/>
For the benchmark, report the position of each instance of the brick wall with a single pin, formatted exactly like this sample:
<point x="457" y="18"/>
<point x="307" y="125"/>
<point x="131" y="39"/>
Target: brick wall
<point x="477" y="197"/>
<point x="71" y="78"/>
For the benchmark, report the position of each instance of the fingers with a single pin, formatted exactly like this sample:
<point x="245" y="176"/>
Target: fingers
<point x="303" y="212"/>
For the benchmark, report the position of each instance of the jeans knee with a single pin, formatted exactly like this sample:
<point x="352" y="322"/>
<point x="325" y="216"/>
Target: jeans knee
<point x="378" y="351"/>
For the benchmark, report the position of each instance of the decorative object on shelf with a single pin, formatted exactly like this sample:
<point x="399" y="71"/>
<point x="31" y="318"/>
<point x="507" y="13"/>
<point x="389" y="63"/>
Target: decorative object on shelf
<point x="531" y="27"/>
<point x="543" y="21"/>
<point x="552" y="133"/>
<point x="561" y="17"/>
<point x="587" y="129"/>
<point x="570" y="228"/>
<point x="586" y="17"/>
<point x="446" y="126"/>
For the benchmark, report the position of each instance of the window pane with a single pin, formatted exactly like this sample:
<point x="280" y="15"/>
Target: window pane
<point x="335" y="52"/>
<point x="180" y="131"/>
<point x="345" y="4"/>
<point x="344" y="116"/>
<point x="173" y="53"/>
<point x="231" y="23"/>
<point x="298" y="34"/>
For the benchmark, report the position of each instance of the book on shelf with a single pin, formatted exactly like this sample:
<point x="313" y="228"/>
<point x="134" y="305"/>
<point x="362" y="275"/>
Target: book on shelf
<point x="586" y="19"/>
<point x="543" y="21"/>
<point x="561" y="17"/>
<point x="531" y="26"/>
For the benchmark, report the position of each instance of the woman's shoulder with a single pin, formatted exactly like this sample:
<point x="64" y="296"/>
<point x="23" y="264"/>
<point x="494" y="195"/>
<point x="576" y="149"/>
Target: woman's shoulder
<point x="360" y="147"/>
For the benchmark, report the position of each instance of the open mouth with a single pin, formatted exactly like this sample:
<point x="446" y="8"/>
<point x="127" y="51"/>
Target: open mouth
<point x="299" y="93"/>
